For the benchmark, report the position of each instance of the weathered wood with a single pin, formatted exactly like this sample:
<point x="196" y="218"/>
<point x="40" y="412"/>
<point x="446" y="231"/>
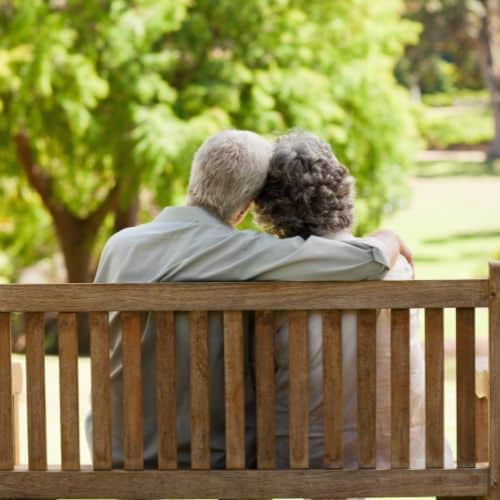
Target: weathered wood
<point x="265" y="390"/>
<point x="465" y="349"/>
<point x="199" y="385"/>
<point x="35" y="378"/>
<point x="367" y="387"/>
<point x="244" y="296"/>
<point x="248" y="483"/>
<point x="101" y="390"/>
<point x="234" y="395"/>
<point x="68" y="391"/>
<point x="6" y="407"/>
<point x="494" y="347"/>
<point x="298" y="369"/>
<point x="434" y="388"/>
<point x="166" y="403"/>
<point x="133" y="430"/>
<point x="400" y="388"/>
<point x="332" y="389"/>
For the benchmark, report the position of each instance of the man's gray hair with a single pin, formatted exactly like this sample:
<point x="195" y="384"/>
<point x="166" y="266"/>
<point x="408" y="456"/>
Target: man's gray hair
<point x="228" y="171"/>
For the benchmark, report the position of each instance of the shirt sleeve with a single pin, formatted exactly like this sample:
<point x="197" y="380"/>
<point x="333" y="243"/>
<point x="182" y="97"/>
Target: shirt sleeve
<point x="246" y="255"/>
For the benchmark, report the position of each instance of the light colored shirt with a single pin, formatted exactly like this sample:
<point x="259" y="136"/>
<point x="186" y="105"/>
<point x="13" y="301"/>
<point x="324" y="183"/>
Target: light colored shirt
<point x="190" y="244"/>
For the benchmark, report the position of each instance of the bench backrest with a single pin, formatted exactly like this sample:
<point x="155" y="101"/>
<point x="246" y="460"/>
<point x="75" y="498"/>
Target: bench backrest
<point x="232" y="299"/>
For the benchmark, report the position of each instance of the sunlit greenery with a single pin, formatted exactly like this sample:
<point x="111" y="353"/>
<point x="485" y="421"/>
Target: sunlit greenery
<point x="99" y="100"/>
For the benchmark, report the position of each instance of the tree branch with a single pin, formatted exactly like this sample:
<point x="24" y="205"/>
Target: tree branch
<point x="40" y="180"/>
<point x="109" y="203"/>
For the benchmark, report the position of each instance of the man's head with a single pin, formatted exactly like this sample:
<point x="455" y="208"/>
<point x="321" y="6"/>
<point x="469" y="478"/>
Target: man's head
<point x="307" y="191"/>
<point x="228" y="171"/>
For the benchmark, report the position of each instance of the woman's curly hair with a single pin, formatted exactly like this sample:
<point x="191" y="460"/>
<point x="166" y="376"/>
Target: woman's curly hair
<point x="307" y="190"/>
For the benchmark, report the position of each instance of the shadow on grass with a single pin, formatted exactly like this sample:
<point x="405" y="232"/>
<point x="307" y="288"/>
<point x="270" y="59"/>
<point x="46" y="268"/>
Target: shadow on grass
<point x="446" y="168"/>
<point x="484" y="234"/>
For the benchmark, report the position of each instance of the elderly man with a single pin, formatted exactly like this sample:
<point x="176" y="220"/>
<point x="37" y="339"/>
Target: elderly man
<point x="198" y="242"/>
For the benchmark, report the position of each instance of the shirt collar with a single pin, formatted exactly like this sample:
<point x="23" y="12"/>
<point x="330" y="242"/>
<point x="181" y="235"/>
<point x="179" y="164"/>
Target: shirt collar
<point x="192" y="214"/>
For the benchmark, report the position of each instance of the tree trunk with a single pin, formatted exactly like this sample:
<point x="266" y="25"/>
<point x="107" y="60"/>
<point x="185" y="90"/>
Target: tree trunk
<point x="127" y="216"/>
<point x="489" y="59"/>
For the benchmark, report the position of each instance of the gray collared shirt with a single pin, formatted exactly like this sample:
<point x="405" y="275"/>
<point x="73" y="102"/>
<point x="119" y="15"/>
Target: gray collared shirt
<point x="189" y="244"/>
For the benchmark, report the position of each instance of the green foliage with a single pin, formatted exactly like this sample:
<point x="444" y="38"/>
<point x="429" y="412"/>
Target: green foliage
<point x="122" y="92"/>
<point x="464" y="122"/>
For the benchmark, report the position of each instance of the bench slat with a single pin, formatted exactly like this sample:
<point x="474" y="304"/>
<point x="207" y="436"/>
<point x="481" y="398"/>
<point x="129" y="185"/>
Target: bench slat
<point x="133" y="432"/>
<point x="265" y="389"/>
<point x="234" y="389"/>
<point x="332" y="389"/>
<point x="298" y="369"/>
<point x="6" y="422"/>
<point x="101" y="391"/>
<point x="199" y="384"/>
<point x="68" y="390"/>
<point x="434" y="388"/>
<point x="313" y="483"/>
<point x="466" y="372"/>
<point x="166" y="400"/>
<point x="367" y="387"/>
<point x="244" y="296"/>
<point x="35" y="378"/>
<point x="400" y="388"/>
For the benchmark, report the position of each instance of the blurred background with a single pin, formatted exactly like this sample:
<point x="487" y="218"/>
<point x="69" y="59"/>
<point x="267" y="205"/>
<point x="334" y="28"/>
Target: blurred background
<point x="103" y="102"/>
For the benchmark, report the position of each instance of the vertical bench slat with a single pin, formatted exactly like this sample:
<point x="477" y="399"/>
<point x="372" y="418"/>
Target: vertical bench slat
<point x="166" y="401"/>
<point x="400" y="388"/>
<point x="494" y="367"/>
<point x="68" y="390"/>
<point x="298" y="369"/>
<point x="434" y="388"/>
<point x="35" y="371"/>
<point x="101" y="391"/>
<point x="265" y="389"/>
<point x="234" y="389"/>
<point x="199" y="385"/>
<point x="367" y="387"/>
<point x="465" y="341"/>
<point x="6" y="417"/>
<point x="133" y="442"/>
<point x="332" y="389"/>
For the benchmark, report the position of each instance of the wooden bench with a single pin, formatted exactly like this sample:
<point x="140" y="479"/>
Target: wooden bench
<point x="70" y="479"/>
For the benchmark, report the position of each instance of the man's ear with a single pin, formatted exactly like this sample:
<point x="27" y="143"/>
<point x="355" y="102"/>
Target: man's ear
<point x="240" y="215"/>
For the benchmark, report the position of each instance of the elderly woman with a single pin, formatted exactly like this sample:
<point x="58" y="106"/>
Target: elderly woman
<point x="308" y="192"/>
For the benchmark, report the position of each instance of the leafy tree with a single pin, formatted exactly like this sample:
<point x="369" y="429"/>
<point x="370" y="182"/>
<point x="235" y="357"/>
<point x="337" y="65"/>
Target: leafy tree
<point x="100" y="98"/>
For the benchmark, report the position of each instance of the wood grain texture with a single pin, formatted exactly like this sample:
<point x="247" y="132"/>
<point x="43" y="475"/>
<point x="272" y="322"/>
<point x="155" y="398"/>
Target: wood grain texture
<point x="101" y="390"/>
<point x="166" y="400"/>
<point x="68" y="391"/>
<point x="265" y="390"/>
<point x="465" y="349"/>
<point x="298" y="369"/>
<point x="367" y="387"/>
<point x="494" y="348"/>
<point x="6" y="409"/>
<point x="400" y="388"/>
<point x="434" y="388"/>
<point x="332" y="389"/>
<point x="234" y="390"/>
<point x="199" y="385"/>
<point x="133" y="427"/>
<point x="244" y="484"/>
<point x="35" y="390"/>
<point x="244" y="296"/>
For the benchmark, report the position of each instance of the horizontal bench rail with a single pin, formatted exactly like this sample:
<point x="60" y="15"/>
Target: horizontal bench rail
<point x="244" y="296"/>
<point x="247" y="483"/>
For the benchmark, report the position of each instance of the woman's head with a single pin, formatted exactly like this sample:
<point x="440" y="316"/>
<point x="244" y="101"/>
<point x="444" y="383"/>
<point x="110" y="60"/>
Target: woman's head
<point x="307" y="191"/>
